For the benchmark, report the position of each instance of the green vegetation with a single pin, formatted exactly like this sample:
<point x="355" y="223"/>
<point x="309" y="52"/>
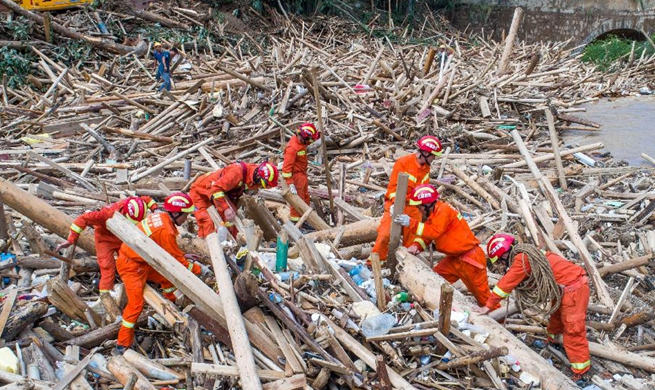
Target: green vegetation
<point x="609" y="53"/>
<point x="15" y="65"/>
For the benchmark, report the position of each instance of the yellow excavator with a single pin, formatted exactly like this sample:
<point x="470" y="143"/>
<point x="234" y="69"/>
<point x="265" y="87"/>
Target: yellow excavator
<point x="51" y="5"/>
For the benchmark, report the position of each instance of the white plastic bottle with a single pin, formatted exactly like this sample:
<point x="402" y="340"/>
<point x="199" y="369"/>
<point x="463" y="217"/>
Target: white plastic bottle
<point x="378" y="325"/>
<point x="222" y="233"/>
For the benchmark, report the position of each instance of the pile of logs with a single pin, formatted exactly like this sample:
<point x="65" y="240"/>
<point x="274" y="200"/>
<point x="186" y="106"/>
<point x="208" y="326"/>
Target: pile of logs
<point x="79" y="137"/>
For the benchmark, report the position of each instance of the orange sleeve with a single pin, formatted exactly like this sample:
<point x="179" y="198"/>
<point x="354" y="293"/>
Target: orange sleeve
<point x="393" y="180"/>
<point x="150" y="203"/>
<point x="514" y="276"/>
<point x="436" y="225"/>
<point x="230" y="179"/>
<point x="290" y="153"/>
<point x="167" y="239"/>
<point x="90" y="218"/>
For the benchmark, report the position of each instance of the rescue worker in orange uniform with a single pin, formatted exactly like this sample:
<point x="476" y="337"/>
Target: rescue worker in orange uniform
<point x="107" y="244"/>
<point x="224" y="187"/>
<point x="448" y="231"/>
<point x="569" y="319"/>
<point x="294" y="168"/>
<point x="417" y="166"/>
<point x="135" y="272"/>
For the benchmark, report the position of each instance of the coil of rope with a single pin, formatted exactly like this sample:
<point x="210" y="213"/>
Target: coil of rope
<point x="539" y="292"/>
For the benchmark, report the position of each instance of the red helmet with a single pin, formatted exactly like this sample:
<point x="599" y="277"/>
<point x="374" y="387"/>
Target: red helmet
<point x="267" y="174"/>
<point x="423" y="194"/>
<point x="134" y="209"/>
<point x="498" y="245"/>
<point x="308" y="131"/>
<point x="179" y="202"/>
<point x="430" y="144"/>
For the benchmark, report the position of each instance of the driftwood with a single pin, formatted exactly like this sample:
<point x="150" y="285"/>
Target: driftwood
<point x="22" y="317"/>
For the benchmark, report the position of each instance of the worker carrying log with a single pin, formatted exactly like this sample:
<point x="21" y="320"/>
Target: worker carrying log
<point x="294" y="168"/>
<point x="417" y="166"/>
<point x="547" y="284"/>
<point x="444" y="227"/>
<point x="223" y="189"/>
<point x="107" y="244"/>
<point x="135" y="272"/>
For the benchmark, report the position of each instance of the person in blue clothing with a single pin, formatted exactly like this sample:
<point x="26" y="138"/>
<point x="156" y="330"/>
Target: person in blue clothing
<point x="163" y="58"/>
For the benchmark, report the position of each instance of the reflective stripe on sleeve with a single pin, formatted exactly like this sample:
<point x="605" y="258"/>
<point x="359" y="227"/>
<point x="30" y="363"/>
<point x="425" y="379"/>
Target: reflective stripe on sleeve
<point x="146" y="228"/>
<point x="219" y="194"/>
<point x="127" y="324"/>
<point x="419" y="229"/>
<point x="426" y="178"/>
<point x="287" y="175"/>
<point x="190" y="266"/>
<point x="151" y="203"/>
<point x="392" y="195"/>
<point x="498" y="291"/>
<point x="411" y="178"/>
<point x="104" y="291"/>
<point x="76" y="228"/>
<point x="421" y="242"/>
<point x="301" y="153"/>
<point x="169" y="290"/>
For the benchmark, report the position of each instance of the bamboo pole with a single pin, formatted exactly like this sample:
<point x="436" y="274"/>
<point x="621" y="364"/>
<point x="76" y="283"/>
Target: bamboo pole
<point x="509" y="41"/>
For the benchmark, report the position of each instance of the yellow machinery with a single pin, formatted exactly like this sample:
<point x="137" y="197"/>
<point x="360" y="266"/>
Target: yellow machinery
<point x="51" y="5"/>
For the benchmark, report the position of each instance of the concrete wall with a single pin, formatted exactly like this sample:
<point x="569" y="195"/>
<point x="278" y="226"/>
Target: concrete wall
<point x="556" y="20"/>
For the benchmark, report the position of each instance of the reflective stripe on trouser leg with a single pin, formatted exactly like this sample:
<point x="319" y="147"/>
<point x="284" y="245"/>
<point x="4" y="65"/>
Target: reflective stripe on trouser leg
<point x="134" y="277"/>
<point x="381" y="246"/>
<point x="574" y="310"/>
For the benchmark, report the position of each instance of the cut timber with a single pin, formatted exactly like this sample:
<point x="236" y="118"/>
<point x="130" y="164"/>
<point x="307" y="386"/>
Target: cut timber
<point x="22" y="317"/>
<point x="165" y="308"/>
<point x="63" y="298"/>
<point x="355" y="233"/>
<point x="100" y="335"/>
<point x="257" y="211"/>
<point x="473" y="358"/>
<point x="298" y="381"/>
<point x="297" y="203"/>
<point x="509" y="41"/>
<point x="235" y="323"/>
<point x="6" y="308"/>
<point x="551" y="195"/>
<point x="149" y="368"/>
<point x="192" y="287"/>
<point x="625" y="265"/>
<point x="123" y="370"/>
<point x="43" y="214"/>
<point x="218" y="370"/>
<point x="425" y="285"/>
<point x="631" y="359"/>
<point x="396" y="229"/>
<point x="551" y="156"/>
<point x="554" y="141"/>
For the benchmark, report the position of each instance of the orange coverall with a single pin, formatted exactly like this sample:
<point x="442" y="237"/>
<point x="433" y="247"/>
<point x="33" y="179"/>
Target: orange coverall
<point x="570" y="318"/>
<point x="106" y="242"/>
<point x="135" y="272"/>
<point x="219" y="188"/>
<point x="294" y="171"/>
<point x="452" y="236"/>
<point x="418" y="174"/>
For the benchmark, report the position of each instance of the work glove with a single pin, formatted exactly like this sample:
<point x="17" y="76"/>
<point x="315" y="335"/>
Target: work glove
<point x="192" y="257"/>
<point x="63" y="245"/>
<point x="204" y="270"/>
<point x="414" y="250"/>
<point x="292" y="189"/>
<point x="391" y="210"/>
<point x="230" y="214"/>
<point x="241" y="256"/>
<point x="402" y="219"/>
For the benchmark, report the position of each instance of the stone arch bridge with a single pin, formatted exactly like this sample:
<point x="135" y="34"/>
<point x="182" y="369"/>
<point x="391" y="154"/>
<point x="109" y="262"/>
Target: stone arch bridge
<point x="559" y="20"/>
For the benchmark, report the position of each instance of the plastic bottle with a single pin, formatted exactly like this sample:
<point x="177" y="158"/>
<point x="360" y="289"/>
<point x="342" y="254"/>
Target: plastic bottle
<point x="222" y="233"/>
<point x="8" y="361"/>
<point x="402" y="297"/>
<point x="284" y="276"/>
<point x="378" y="325"/>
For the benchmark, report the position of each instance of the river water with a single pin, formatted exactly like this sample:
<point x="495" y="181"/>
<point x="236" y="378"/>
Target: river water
<point x="627" y="127"/>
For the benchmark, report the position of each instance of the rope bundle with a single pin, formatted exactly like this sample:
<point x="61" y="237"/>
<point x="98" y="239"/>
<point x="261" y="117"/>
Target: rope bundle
<point x="539" y="292"/>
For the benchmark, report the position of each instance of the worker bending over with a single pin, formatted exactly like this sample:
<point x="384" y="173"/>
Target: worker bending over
<point x="107" y="244"/>
<point x="223" y="189"/>
<point x="135" y="272"/>
<point x="448" y="231"/>
<point x="571" y="283"/>
<point x="417" y="166"/>
<point x="294" y="168"/>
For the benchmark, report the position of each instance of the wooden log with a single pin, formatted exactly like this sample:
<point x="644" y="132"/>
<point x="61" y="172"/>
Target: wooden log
<point x="165" y="308"/>
<point x="23" y="316"/>
<point x="211" y="324"/>
<point x="63" y="298"/>
<point x="425" y="286"/>
<point x="377" y="276"/>
<point x="150" y="368"/>
<point x="551" y="194"/>
<point x="7" y="377"/>
<point x="100" y="335"/>
<point x="232" y="371"/>
<point x="625" y="265"/>
<point x="509" y="41"/>
<point x="551" y="156"/>
<point x="123" y="370"/>
<point x="626" y="358"/>
<point x="74" y="373"/>
<point x="43" y="214"/>
<point x="475" y="187"/>
<point x="554" y="141"/>
<point x="298" y="381"/>
<point x="258" y="212"/>
<point x="6" y="308"/>
<point x="170" y="160"/>
<point x="192" y="287"/>
<point x="297" y="203"/>
<point x="473" y="358"/>
<point x="353" y="234"/>
<point x="135" y="134"/>
<point x="396" y="229"/>
<point x="445" y="308"/>
<point x="79" y="265"/>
